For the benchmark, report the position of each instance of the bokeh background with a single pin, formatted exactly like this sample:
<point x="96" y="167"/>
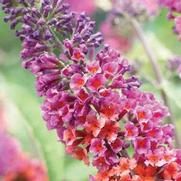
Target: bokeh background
<point x="22" y="106"/>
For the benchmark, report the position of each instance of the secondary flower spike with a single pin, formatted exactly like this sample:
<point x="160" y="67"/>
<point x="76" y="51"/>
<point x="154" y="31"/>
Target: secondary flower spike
<point x="16" y="165"/>
<point x="174" y="64"/>
<point x="174" y="7"/>
<point x="89" y="97"/>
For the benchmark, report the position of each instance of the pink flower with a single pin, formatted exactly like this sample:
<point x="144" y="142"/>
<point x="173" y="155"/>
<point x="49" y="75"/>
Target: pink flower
<point x="117" y="145"/>
<point x="93" y="67"/>
<point x="69" y="136"/>
<point x="97" y="146"/>
<point x="16" y="165"/>
<point x="178" y="156"/>
<point x="101" y="163"/>
<point x="153" y="159"/>
<point x="109" y="131"/>
<point x="96" y="82"/>
<point x="114" y="37"/>
<point x="10" y="154"/>
<point x="155" y="133"/>
<point x="77" y="55"/>
<point x="152" y="6"/>
<point x="172" y="4"/>
<point x="122" y="170"/>
<point x="131" y="131"/>
<point x="93" y="124"/>
<point x="77" y="81"/>
<point x="108" y="110"/>
<point x="110" y="69"/>
<point x="83" y="95"/>
<point x="146" y="125"/>
<point x="2" y="118"/>
<point x="170" y="171"/>
<point x="160" y="157"/>
<point x="81" y="154"/>
<point x="145" y="172"/>
<point x="30" y="170"/>
<point x="178" y="26"/>
<point x="142" y="145"/>
<point x="79" y="6"/>
<point x="174" y="7"/>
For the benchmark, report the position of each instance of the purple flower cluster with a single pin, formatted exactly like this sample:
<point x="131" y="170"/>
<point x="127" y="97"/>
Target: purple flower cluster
<point x="86" y="106"/>
<point x="15" y="164"/>
<point x="12" y="150"/>
<point x="136" y="8"/>
<point x="174" y="7"/>
<point x="90" y="99"/>
<point x="174" y="64"/>
<point x="42" y="27"/>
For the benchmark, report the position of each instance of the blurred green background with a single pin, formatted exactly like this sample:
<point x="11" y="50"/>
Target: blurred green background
<point x="23" y="106"/>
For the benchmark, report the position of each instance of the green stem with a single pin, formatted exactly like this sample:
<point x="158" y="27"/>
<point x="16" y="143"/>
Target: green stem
<point x="59" y="43"/>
